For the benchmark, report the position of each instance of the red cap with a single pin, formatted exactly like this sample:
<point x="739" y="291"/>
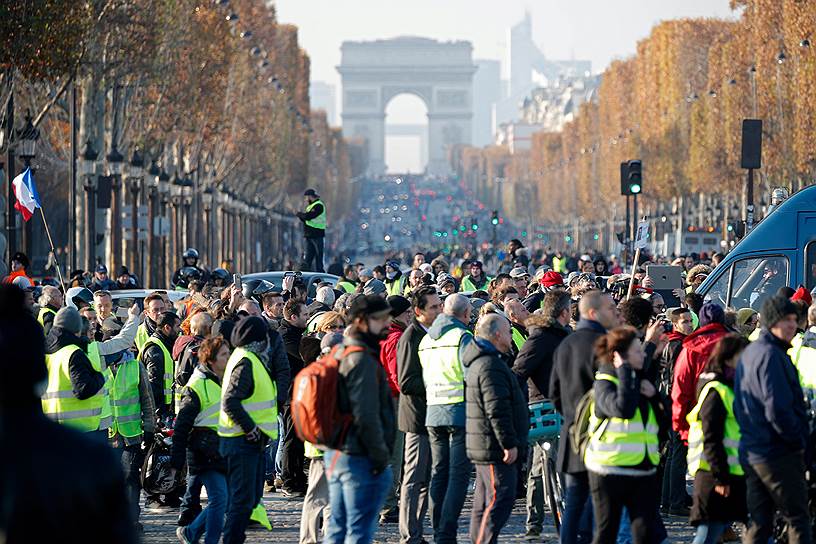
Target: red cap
<point x="551" y="279"/>
<point x="802" y="294"/>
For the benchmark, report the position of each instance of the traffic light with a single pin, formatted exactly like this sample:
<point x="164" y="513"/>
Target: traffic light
<point x="631" y="177"/>
<point x="475" y="225"/>
<point x="494" y="217"/>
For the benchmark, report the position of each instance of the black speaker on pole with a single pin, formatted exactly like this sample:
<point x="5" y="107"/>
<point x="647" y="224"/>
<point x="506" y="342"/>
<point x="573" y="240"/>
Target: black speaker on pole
<point x="751" y="144"/>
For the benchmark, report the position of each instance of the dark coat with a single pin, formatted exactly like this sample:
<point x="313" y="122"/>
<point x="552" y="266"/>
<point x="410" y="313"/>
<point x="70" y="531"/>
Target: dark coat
<point x="363" y="393"/>
<point x="496" y="410"/>
<point x="291" y="340"/>
<point x="708" y="505"/>
<point x="153" y="359"/>
<point x="573" y="375"/>
<point x="534" y="362"/>
<point x="199" y="443"/>
<point x="768" y="402"/>
<point x="412" y="405"/>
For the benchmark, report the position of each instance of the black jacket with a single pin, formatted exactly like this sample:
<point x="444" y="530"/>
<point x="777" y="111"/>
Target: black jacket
<point x="412" y="404"/>
<point x="48" y="319"/>
<point x="278" y="367"/>
<point x="57" y="484"/>
<point x="199" y="443"/>
<point x="496" y="411"/>
<point x="534" y="362"/>
<point x="363" y="392"/>
<point x="311" y="232"/>
<point x="573" y="375"/>
<point x="291" y="340"/>
<point x="153" y="359"/>
<point x="188" y="361"/>
<point x="85" y="381"/>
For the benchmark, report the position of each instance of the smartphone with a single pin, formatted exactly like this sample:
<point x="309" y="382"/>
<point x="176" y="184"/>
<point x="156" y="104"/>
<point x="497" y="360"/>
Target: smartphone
<point x="236" y="280"/>
<point x="289" y="274"/>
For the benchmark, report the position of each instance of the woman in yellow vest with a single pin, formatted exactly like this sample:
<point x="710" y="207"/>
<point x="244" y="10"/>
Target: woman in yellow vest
<point x="196" y="438"/>
<point x="713" y="456"/>
<point x="622" y="453"/>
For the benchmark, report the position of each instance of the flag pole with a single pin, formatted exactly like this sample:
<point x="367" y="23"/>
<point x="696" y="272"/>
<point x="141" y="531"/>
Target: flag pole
<point x="53" y="251"/>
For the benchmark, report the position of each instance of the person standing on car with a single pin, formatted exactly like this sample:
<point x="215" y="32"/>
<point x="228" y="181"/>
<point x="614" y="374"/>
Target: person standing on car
<point x="534" y="365"/>
<point x="412" y="411"/>
<point x="314" y="230"/>
<point x="497" y="426"/>
<point x="358" y="471"/>
<point x="770" y="409"/>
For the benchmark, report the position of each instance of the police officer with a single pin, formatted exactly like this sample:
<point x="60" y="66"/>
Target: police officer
<point x="189" y="259"/>
<point x="248" y="420"/>
<point x="74" y="394"/>
<point x="314" y="230"/>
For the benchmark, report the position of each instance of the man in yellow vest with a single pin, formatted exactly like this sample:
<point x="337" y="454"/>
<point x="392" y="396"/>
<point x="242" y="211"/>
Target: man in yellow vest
<point x="394" y="279"/>
<point x="74" y="393"/>
<point x="348" y="283"/>
<point x="314" y="230"/>
<point x="248" y="420"/>
<point x="134" y="420"/>
<point x="440" y="354"/>
<point x="518" y="315"/>
<point x="153" y="308"/>
<point x="50" y="302"/>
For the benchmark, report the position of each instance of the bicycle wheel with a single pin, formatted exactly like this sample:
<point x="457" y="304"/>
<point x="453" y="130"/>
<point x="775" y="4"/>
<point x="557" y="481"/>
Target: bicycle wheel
<point x="552" y="489"/>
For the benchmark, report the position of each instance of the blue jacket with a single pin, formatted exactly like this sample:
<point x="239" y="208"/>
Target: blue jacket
<point x="768" y="402"/>
<point x="444" y="415"/>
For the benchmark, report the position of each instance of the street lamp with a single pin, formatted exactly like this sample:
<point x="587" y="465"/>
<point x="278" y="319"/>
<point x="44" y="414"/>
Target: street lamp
<point x="164" y="195"/>
<point x="87" y="169"/>
<point x="207" y="201"/>
<point x="135" y="175"/>
<point x="114" y="162"/>
<point x="153" y="173"/>
<point x="115" y="165"/>
<point x="27" y="141"/>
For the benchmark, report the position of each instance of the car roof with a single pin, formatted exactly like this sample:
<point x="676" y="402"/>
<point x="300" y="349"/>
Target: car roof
<point x="142" y="293"/>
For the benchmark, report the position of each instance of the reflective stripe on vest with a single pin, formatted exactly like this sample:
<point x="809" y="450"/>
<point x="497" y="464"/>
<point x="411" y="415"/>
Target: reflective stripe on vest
<point x="262" y="405"/>
<point x="168" y="367"/>
<point x="441" y="368"/>
<point x="209" y="397"/>
<point x="468" y="285"/>
<point x="618" y="442"/>
<point x="318" y="222"/>
<point x="518" y="338"/>
<point x="45" y="310"/>
<point x="124" y="399"/>
<point x="731" y="436"/>
<point x="142" y="335"/>
<point x="106" y="419"/>
<point x="59" y="402"/>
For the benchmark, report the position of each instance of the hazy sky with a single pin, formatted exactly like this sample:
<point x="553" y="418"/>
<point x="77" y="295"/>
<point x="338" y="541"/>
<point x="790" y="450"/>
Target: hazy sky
<point x="598" y="30"/>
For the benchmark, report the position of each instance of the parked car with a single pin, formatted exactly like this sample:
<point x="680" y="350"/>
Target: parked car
<point x="125" y="298"/>
<point x="311" y="279"/>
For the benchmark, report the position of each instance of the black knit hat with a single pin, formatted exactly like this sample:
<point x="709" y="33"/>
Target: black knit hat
<point x="248" y="330"/>
<point x="368" y="305"/>
<point x="774" y="310"/>
<point x="398" y="304"/>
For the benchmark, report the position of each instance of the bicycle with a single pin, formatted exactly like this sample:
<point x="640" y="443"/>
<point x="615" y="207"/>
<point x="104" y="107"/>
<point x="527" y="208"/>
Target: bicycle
<point x="545" y="427"/>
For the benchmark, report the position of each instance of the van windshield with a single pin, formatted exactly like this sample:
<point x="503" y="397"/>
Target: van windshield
<point x="756" y="279"/>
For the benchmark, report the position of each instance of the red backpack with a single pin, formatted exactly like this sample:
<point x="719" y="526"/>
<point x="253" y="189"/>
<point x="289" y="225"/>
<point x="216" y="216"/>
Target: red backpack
<point x="315" y="411"/>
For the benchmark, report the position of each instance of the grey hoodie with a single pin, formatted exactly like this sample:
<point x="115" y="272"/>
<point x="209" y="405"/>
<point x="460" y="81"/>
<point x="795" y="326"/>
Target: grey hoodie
<point x="443" y="415"/>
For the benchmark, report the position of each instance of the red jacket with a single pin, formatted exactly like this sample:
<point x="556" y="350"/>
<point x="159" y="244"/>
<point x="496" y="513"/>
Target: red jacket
<point x="388" y="356"/>
<point x="697" y="348"/>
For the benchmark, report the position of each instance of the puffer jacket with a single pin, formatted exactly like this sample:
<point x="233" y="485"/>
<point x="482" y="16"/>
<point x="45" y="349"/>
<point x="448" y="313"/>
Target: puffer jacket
<point x="363" y="393"/>
<point x="534" y="362"/>
<point x="697" y="348"/>
<point x="496" y="410"/>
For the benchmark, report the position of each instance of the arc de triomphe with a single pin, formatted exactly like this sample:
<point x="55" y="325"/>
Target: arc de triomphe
<point x="440" y="73"/>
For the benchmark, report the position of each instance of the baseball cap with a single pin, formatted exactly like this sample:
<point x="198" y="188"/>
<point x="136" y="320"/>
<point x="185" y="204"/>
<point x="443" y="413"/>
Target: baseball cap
<point x="101" y="268"/>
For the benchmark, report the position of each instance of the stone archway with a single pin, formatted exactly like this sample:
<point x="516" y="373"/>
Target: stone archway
<point x="440" y="73"/>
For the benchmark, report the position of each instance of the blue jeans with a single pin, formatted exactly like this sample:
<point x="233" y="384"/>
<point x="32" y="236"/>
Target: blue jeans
<point x="450" y="474"/>
<point x="192" y="495"/>
<point x="576" y="522"/>
<point x="355" y="497"/>
<point x="709" y="533"/>
<point x="245" y="479"/>
<point x="210" y="522"/>
<point x="132" y="458"/>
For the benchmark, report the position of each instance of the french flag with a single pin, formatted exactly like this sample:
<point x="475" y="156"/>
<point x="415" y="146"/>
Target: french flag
<point x="25" y="191"/>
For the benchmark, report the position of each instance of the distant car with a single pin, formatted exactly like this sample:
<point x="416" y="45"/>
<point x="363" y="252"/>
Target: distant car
<point x="125" y="298"/>
<point x="311" y="279"/>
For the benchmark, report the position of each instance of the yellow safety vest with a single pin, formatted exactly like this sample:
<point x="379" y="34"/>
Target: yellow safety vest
<point x="442" y="370"/>
<point x="468" y="285"/>
<point x="311" y="451"/>
<point x="696" y="455"/>
<point x="125" y="400"/>
<point x="618" y="442"/>
<point x="318" y="222"/>
<point x="518" y="338"/>
<point x="559" y="264"/>
<point x="804" y="359"/>
<point x="346" y="286"/>
<point x="59" y="402"/>
<point x="395" y="287"/>
<point x="106" y="419"/>
<point x="209" y="396"/>
<point x="168" y="366"/>
<point x="141" y="336"/>
<point x="262" y="405"/>
<point x="45" y="310"/>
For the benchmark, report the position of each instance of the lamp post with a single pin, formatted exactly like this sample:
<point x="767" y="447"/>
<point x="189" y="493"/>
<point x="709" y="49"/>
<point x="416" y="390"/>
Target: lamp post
<point x="27" y="149"/>
<point x="152" y="185"/>
<point x="87" y="169"/>
<point x="175" y="202"/>
<point x="164" y="195"/>
<point x="115" y="163"/>
<point x="135" y="175"/>
<point x="187" y="203"/>
<point x="207" y="201"/>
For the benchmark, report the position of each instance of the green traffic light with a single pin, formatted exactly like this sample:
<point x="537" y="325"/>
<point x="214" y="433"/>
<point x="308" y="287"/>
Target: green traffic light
<point x="595" y="236"/>
<point x="474" y="226"/>
<point x="495" y="220"/>
<point x="634" y="188"/>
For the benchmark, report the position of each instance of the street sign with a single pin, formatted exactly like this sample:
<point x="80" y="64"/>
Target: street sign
<point x="642" y="237"/>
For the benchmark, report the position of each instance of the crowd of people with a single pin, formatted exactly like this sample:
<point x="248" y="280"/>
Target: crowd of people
<point x="437" y="364"/>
